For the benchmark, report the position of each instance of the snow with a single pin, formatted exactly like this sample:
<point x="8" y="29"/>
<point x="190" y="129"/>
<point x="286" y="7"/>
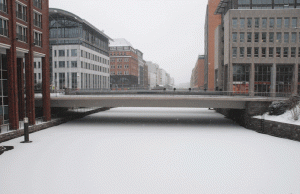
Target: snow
<point x="151" y="150"/>
<point x="287" y="117"/>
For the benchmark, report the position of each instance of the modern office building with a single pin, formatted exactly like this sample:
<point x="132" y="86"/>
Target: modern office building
<point x="152" y="74"/>
<point x="197" y="77"/>
<point x="79" y="53"/>
<point x="123" y="64"/>
<point x="212" y="21"/>
<point x="261" y="46"/>
<point x="24" y="36"/>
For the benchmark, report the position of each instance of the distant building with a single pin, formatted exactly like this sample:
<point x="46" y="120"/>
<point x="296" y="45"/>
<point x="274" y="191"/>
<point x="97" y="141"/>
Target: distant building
<point x="197" y="77"/>
<point x="212" y="21"/>
<point x="124" y="65"/>
<point x="79" y="53"/>
<point x="152" y="74"/>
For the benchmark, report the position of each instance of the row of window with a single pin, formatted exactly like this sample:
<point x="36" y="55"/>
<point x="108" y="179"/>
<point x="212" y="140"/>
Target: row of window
<point x="62" y="53"/>
<point x="120" y="73"/>
<point x="120" y="60"/>
<point x="94" y="67"/>
<point x="265" y="22"/>
<point x="93" y="57"/>
<point x="118" y="53"/>
<point x="119" y="66"/>
<point x="93" y="81"/>
<point x="62" y="64"/>
<point x="262" y="52"/>
<point x="266" y="37"/>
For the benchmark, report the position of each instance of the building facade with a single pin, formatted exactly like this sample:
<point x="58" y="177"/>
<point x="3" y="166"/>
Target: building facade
<point x="197" y="77"/>
<point x="24" y="36"/>
<point x="79" y="53"/>
<point x="212" y="21"/>
<point x="123" y="64"/>
<point x="261" y="47"/>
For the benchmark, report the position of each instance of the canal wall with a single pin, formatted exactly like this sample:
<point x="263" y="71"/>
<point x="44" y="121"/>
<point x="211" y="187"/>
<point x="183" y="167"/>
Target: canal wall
<point x="245" y="118"/>
<point x="54" y="122"/>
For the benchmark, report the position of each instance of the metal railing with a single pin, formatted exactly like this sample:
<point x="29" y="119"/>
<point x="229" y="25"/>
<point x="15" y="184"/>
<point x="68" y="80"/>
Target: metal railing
<point x="37" y="23"/>
<point x="21" y="16"/>
<point x="4" y="31"/>
<point x="21" y="37"/>
<point x="37" y="4"/>
<point x="3" y="7"/>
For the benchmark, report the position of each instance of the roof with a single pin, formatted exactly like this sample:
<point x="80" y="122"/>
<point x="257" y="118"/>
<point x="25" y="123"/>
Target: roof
<point x="53" y="11"/>
<point x="221" y="6"/>
<point x="119" y="42"/>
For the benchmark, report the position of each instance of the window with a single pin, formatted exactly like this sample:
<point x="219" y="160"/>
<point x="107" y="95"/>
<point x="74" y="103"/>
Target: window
<point x="293" y="52"/>
<point x="256" y="22"/>
<point x="278" y="52"/>
<point x="272" y="23"/>
<point x="73" y="64"/>
<point x="74" y="52"/>
<point x="61" y="77"/>
<point x="286" y="22"/>
<point x="234" y="37"/>
<point x="3" y="27"/>
<point x="34" y="64"/>
<point x="21" y="11"/>
<point x="263" y="52"/>
<point x="241" y="51"/>
<point x="286" y="37"/>
<point x="119" y="72"/>
<point x="279" y="22"/>
<point x="256" y="36"/>
<point x="39" y="65"/>
<point x="285" y="52"/>
<point x="119" y="66"/>
<point x="126" y="66"/>
<point x="264" y="23"/>
<point x="55" y="64"/>
<point x="61" y="53"/>
<point x="271" y="37"/>
<point x="126" y="60"/>
<point x="37" y="19"/>
<point x="37" y="38"/>
<point x="249" y="50"/>
<point x="112" y="66"/>
<point x="278" y="37"/>
<point x="264" y="37"/>
<point x="37" y="3"/>
<point x="256" y="52"/>
<point x="271" y="52"/>
<point x="61" y="64"/>
<point x="242" y="37"/>
<point x="22" y="33"/>
<point x="234" y="52"/>
<point x="54" y="53"/>
<point x="294" y="35"/>
<point x="3" y="5"/>
<point x="234" y="22"/>
<point x="249" y="37"/>
<point x="242" y="23"/>
<point x="249" y="22"/>
<point x="294" y="22"/>
<point x="74" y="80"/>
<point x="112" y="73"/>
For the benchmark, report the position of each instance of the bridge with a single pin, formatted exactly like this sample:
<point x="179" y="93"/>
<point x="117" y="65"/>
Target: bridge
<point x="156" y="99"/>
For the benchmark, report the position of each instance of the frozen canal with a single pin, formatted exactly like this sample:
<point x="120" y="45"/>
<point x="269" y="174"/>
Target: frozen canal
<point x="146" y="150"/>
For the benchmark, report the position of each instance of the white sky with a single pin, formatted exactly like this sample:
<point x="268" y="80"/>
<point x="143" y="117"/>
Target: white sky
<point x="168" y="32"/>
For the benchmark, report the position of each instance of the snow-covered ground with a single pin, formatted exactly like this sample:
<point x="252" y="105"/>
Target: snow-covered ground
<point x="287" y="117"/>
<point x="151" y="150"/>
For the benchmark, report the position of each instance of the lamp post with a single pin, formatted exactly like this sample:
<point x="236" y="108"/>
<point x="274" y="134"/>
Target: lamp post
<point x="26" y="131"/>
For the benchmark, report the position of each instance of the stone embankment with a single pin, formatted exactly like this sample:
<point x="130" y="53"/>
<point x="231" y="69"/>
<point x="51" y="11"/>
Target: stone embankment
<point x="277" y="129"/>
<point x="54" y="122"/>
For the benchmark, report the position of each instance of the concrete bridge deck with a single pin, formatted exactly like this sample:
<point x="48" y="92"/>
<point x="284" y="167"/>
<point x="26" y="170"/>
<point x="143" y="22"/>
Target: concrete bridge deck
<point x="131" y="100"/>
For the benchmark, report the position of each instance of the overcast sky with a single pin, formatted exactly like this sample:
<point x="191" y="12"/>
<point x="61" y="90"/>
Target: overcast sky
<point x="168" y="32"/>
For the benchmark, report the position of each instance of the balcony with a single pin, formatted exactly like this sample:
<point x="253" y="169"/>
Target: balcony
<point x="4" y="31"/>
<point x="22" y="38"/>
<point x="37" y="4"/>
<point x="21" y="16"/>
<point x="37" y="23"/>
<point x="3" y="7"/>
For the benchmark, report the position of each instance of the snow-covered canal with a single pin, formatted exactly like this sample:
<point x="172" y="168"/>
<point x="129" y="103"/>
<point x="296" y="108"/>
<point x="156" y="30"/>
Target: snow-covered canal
<point x="150" y="150"/>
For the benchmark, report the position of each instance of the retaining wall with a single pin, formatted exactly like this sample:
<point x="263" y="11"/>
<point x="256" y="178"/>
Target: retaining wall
<point x="54" y="122"/>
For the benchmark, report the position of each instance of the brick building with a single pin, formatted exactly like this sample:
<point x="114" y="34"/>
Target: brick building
<point x="24" y="35"/>
<point x="197" y="77"/>
<point x="211" y="23"/>
<point x="124" y="68"/>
